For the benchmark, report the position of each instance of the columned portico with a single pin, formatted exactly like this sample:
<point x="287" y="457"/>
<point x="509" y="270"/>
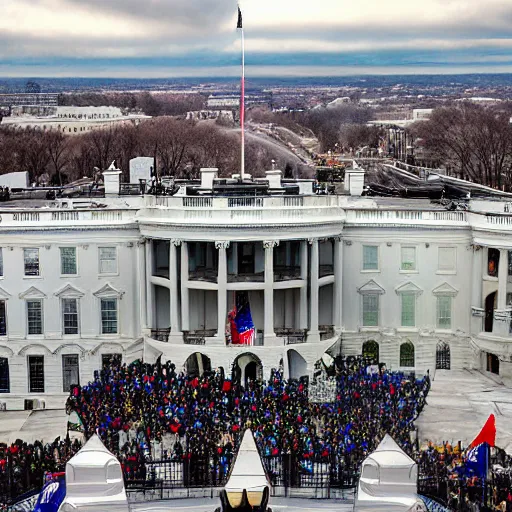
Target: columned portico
<point x="185" y="304"/>
<point x="269" y="334"/>
<point x="222" y="283"/>
<point x="149" y="285"/>
<point x="174" y="291"/>
<point x="314" y="334"/>
<point x="338" y="282"/>
<point x="303" y="313"/>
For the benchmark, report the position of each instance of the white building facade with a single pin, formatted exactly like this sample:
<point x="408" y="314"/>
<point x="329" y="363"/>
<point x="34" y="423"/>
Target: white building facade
<point x="416" y="288"/>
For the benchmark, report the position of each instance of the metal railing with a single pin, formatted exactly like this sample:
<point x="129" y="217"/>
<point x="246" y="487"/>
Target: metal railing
<point x="160" y="334"/>
<point x="204" y="274"/>
<point x="326" y="332"/>
<point x="326" y="270"/>
<point x="286" y="273"/>
<point x="292" y="336"/>
<point x="257" y="277"/>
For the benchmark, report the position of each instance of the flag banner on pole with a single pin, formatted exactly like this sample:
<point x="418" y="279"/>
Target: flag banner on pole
<point x="241" y="324"/>
<point x="239" y="24"/>
<point x="487" y="434"/>
<point x="476" y="461"/>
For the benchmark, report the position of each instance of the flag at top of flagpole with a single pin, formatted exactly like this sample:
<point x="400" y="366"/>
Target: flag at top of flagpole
<point x="239" y="24"/>
<point x="487" y="434"/>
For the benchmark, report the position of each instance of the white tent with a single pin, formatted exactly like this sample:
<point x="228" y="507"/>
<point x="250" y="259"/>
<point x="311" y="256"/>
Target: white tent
<point x="247" y="474"/>
<point x="388" y="481"/>
<point x="94" y="481"/>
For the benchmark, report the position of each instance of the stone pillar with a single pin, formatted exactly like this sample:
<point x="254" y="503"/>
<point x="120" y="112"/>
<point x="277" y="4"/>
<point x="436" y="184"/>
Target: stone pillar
<point x="222" y="299"/>
<point x="502" y="279"/>
<point x="303" y="312"/>
<point x="476" y="289"/>
<point x="269" y="333"/>
<point x="314" y="334"/>
<point x="174" y="291"/>
<point x="185" y="315"/>
<point x="338" y="283"/>
<point x="141" y="288"/>
<point x="150" y="314"/>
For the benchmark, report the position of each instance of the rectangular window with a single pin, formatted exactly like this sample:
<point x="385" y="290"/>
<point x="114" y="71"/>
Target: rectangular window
<point x="109" y="360"/>
<point x="70" y="372"/>
<point x="31" y="259"/>
<point x="108" y="316"/>
<point x="408" y="309"/>
<point x="36" y="374"/>
<point x="70" y="316"/>
<point x="3" y="318"/>
<point x="444" y="312"/>
<point x="35" y="316"/>
<point x="1" y="262"/>
<point x="447" y="259"/>
<point x="68" y="261"/>
<point x="370" y="257"/>
<point x="370" y="310"/>
<point x="108" y="260"/>
<point x="509" y="263"/>
<point x="408" y="260"/>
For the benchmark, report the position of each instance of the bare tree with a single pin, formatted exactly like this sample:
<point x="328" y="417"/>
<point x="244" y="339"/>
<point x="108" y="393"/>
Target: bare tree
<point x="57" y="145"/>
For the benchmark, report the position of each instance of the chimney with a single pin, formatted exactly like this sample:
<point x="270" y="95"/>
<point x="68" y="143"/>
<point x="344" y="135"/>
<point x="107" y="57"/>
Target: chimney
<point x="274" y="178"/>
<point x="111" y="179"/>
<point x="208" y="174"/>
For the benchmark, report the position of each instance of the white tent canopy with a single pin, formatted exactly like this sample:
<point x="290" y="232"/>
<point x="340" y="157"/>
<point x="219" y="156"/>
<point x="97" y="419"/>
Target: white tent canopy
<point x="94" y="481"/>
<point x="388" y="480"/>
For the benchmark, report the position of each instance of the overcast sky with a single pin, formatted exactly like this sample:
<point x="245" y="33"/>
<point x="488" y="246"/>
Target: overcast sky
<point x="164" y="38"/>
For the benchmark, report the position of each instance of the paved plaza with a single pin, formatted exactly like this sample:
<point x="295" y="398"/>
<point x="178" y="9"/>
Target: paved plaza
<point x="460" y="402"/>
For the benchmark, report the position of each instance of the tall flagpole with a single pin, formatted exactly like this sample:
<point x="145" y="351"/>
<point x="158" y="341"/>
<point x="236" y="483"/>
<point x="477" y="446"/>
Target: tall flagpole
<point x="242" y="97"/>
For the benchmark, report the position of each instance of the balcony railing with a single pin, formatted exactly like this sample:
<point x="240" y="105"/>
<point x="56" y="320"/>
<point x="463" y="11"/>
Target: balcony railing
<point x="161" y="272"/>
<point x="326" y="332"/>
<point x="197" y="337"/>
<point x="286" y="273"/>
<point x="292" y="336"/>
<point x="256" y="277"/>
<point x="258" y="340"/>
<point x="160" y="334"/>
<point x="326" y="270"/>
<point x="203" y="274"/>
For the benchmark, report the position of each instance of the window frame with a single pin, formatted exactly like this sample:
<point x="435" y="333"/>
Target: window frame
<point x="100" y="260"/>
<point x="63" y="315"/>
<point x="4" y="301"/>
<point x="62" y="273"/>
<point x="30" y="390"/>
<point x="413" y="296"/>
<point x="446" y="271"/>
<point x="102" y="331"/>
<point x="402" y="357"/>
<point x="64" y="356"/>
<point x="366" y="297"/>
<point x="439" y="298"/>
<point x="25" y="249"/>
<point x="363" y="259"/>
<point x="39" y="301"/>
<point x="415" y="261"/>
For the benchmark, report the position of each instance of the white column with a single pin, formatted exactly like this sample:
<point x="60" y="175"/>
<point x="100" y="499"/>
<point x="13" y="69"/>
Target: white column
<point x="185" y="324"/>
<point x="269" y="333"/>
<point x="222" y="299"/>
<point x="303" y="313"/>
<point x="313" y="334"/>
<point x="502" y="279"/>
<point x="476" y="288"/>
<point x="174" y="292"/>
<point x="140" y="280"/>
<point x="338" y="282"/>
<point x="149" y="286"/>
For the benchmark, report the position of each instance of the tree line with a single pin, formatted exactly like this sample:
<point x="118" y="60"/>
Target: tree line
<point x="472" y="141"/>
<point x="180" y="148"/>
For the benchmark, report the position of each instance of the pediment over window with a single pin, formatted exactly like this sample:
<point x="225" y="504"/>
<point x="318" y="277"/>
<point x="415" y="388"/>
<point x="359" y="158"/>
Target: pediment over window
<point x="108" y="292"/>
<point x="445" y="289"/>
<point x="371" y="287"/>
<point x="32" y="293"/>
<point x="408" y="287"/>
<point x="69" y="292"/>
<point x="4" y="294"/>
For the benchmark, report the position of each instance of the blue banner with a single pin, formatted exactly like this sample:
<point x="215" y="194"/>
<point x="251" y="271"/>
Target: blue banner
<point x="476" y="461"/>
<point x="51" y="496"/>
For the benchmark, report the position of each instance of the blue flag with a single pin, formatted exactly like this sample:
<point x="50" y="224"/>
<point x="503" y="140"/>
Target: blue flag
<point x="476" y="461"/>
<point x="51" y="497"/>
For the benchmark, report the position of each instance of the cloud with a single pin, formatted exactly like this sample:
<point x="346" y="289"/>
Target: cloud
<point x="115" y="34"/>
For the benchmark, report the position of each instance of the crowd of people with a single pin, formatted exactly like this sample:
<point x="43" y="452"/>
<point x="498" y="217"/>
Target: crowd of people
<point x="134" y="405"/>
<point x="146" y="412"/>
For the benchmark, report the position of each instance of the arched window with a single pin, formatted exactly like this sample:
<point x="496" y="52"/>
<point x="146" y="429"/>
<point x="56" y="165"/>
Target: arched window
<point x="407" y="355"/>
<point x="371" y="351"/>
<point x="442" y="356"/>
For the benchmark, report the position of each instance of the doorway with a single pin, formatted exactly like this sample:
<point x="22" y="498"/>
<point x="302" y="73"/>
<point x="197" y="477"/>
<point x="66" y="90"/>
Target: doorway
<point x="490" y="305"/>
<point x="493" y="363"/>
